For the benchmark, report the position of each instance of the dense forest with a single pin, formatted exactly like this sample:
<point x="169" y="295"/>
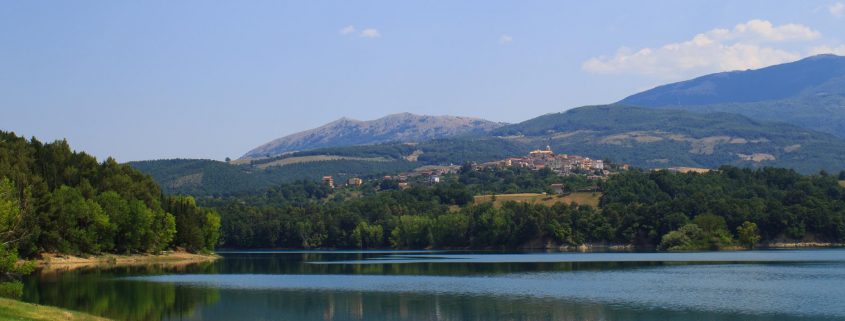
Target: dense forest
<point x="53" y="199"/>
<point x="726" y="208"/>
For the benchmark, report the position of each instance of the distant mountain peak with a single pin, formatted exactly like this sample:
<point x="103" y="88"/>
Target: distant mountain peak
<point x="402" y="127"/>
<point x="809" y="93"/>
<point x="769" y="83"/>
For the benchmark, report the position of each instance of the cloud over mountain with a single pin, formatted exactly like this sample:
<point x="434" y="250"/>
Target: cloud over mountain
<point x="749" y="45"/>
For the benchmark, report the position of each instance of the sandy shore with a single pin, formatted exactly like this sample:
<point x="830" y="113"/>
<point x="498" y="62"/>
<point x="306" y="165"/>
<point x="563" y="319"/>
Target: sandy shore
<point x="797" y="245"/>
<point x="52" y="261"/>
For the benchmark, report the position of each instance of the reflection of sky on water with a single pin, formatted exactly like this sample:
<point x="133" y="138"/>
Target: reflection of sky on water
<point x="807" y="289"/>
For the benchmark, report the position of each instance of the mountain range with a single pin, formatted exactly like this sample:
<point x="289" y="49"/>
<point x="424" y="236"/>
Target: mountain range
<point x="790" y="115"/>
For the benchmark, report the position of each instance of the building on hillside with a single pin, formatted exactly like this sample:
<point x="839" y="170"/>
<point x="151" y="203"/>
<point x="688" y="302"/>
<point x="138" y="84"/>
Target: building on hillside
<point x="434" y="179"/>
<point x="518" y="162"/>
<point x="328" y="181"/>
<point x="557" y="188"/>
<point x="354" y="181"/>
<point x="586" y="163"/>
<point x="538" y="153"/>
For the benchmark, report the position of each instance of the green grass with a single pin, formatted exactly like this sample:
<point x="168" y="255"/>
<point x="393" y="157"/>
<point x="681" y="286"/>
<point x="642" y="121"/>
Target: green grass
<point x="17" y="310"/>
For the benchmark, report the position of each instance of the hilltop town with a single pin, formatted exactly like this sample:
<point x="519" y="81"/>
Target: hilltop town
<point x="539" y="159"/>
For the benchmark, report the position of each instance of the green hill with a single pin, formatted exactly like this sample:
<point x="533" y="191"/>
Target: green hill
<point x="202" y="177"/>
<point x="653" y="138"/>
<point x="809" y="93"/>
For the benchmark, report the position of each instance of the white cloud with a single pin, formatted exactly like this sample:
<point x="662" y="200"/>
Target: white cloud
<point x="749" y="45"/>
<point x="350" y="29"/>
<point x="837" y="9"/>
<point x="836" y="50"/>
<point x="505" y="39"/>
<point x="370" y="33"/>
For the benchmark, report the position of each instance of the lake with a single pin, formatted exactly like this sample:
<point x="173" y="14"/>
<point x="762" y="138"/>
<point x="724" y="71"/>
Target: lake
<point x="454" y="285"/>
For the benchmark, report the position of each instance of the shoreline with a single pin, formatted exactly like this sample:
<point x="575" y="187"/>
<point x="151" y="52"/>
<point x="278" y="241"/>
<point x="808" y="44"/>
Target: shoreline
<point x="55" y="262"/>
<point x="19" y="310"/>
<point x="799" y="245"/>
<point x="587" y="247"/>
<point x="763" y="246"/>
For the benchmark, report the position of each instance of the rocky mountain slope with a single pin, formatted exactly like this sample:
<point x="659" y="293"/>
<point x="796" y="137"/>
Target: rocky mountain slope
<point x="404" y="127"/>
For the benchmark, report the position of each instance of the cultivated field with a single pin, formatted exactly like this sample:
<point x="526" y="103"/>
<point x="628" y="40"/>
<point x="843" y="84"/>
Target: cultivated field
<point x="842" y="183"/>
<point x="583" y="198"/>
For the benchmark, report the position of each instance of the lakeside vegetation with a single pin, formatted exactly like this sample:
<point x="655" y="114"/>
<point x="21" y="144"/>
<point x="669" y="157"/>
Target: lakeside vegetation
<point x="22" y="311"/>
<point x="56" y="200"/>
<point x="728" y="208"/>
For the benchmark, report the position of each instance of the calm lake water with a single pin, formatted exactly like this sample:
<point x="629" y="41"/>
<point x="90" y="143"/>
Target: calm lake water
<point x="385" y="285"/>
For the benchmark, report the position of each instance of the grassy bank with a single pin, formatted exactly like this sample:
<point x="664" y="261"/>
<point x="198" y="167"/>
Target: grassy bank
<point x="582" y="198"/>
<point x="51" y="262"/>
<point x="17" y="310"/>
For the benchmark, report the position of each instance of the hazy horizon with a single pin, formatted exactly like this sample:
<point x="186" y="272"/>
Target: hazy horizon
<point x="193" y="79"/>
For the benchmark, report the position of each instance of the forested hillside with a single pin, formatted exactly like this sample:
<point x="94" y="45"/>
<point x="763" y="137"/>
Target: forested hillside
<point x="809" y="93"/>
<point x="65" y="201"/>
<point x="725" y="208"/>
<point x="200" y="177"/>
<point x="53" y="199"/>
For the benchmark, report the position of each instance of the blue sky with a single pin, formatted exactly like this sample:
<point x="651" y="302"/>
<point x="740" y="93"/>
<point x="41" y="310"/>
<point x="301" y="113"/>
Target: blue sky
<point x="204" y="79"/>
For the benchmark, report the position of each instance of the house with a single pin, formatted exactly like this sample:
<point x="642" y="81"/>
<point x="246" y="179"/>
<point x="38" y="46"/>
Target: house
<point x="518" y="162"/>
<point x="328" y="181"/>
<point x="434" y="179"/>
<point x="557" y="188"/>
<point x="354" y="181"/>
<point x="542" y="153"/>
<point x="586" y="163"/>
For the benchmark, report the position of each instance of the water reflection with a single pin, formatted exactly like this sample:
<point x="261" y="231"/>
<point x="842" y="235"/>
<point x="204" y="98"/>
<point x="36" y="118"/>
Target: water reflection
<point x="767" y="285"/>
<point x="349" y="306"/>
<point x="99" y="292"/>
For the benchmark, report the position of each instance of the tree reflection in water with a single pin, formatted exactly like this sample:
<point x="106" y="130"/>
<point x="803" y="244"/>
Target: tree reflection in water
<point x="96" y="291"/>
